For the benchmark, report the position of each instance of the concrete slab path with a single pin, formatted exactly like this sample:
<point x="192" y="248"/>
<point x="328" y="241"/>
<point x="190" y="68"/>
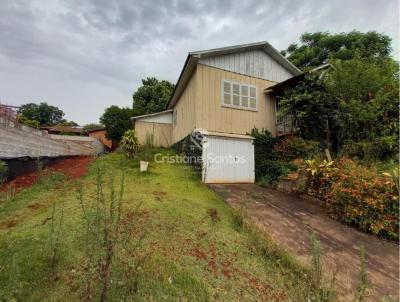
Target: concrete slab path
<point x="290" y="220"/>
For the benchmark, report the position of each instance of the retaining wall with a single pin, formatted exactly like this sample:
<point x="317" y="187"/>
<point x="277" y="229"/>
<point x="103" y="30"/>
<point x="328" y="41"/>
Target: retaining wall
<point x="18" y="141"/>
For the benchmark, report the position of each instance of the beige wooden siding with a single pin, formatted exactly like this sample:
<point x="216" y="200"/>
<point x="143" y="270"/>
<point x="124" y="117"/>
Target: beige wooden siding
<point x="212" y="116"/>
<point x="185" y="111"/>
<point x="162" y="133"/>
<point x="254" y="63"/>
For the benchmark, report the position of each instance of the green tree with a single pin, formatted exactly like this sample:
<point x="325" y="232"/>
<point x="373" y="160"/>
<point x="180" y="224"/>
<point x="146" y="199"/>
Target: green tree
<point x="367" y="96"/>
<point x="321" y="47"/>
<point x="116" y="121"/>
<point x="44" y="113"/>
<point x="312" y="108"/>
<point x="69" y="124"/>
<point x="355" y="102"/>
<point x="92" y="126"/>
<point x="152" y="96"/>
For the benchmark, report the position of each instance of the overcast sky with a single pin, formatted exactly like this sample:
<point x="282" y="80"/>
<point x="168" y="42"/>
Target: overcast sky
<point x="84" y="56"/>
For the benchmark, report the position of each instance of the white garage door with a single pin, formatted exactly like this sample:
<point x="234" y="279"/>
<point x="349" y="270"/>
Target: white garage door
<point x="228" y="160"/>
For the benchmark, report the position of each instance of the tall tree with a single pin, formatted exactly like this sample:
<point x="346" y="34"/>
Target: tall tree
<point x="367" y="96"/>
<point x="320" y="47"/>
<point x="44" y="113"/>
<point x="357" y="101"/>
<point x="117" y="121"/>
<point x="312" y="107"/>
<point x="152" y="96"/>
<point x="92" y="126"/>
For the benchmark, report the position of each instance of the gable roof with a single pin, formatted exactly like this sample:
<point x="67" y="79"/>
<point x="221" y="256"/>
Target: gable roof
<point x="277" y="88"/>
<point x="193" y="58"/>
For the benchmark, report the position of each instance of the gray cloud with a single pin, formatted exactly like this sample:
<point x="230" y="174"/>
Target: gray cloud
<point x="86" y="55"/>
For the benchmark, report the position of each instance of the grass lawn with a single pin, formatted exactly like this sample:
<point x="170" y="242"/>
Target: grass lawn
<point x="176" y="241"/>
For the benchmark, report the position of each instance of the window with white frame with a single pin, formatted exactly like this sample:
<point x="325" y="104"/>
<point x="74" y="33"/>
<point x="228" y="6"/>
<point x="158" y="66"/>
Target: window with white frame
<point x="238" y="95"/>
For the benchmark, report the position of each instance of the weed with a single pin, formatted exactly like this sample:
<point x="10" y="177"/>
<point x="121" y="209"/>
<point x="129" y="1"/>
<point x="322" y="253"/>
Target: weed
<point x="238" y="219"/>
<point x="316" y="264"/>
<point x="214" y="215"/>
<point x="387" y="299"/>
<point x="320" y="292"/>
<point x="364" y="284"/>
<point x="257" y="195"/>
<point x="13" y="287"/>
<point x="56" y="235"/>
<point x="105" y="232"/>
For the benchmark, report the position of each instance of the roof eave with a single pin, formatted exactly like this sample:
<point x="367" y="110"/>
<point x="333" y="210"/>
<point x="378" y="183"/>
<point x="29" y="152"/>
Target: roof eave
<point x="151" y="114"/>
<point x="184" y="77"/>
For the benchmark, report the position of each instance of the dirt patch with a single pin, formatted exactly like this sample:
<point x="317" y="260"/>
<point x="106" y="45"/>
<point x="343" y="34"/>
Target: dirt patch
<point x="222" y="265"/>
<point x="74" y="167"/>
<point x="9" y="224"/>
<point x="159" y="195"/>
<point x="35" y="206"/>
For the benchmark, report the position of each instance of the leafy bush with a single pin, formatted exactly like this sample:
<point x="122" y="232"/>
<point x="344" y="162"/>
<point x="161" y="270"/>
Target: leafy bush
<point x="379" y="148"/>
<point x="269" y="171"/>
<point x="295" y="147"/>
<point x="264" y="144"/>
<point x="359" y="196"/>
<point x="267" y="168"/>
<point x="31" y="123"/>
<point x="264" y="157"/>
<point x="129" y="143"/>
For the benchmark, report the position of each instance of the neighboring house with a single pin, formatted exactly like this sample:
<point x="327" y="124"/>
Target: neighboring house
<point x="68" y="130"/>
<point x="221" y="93"/>
<point x="100" y="134"/>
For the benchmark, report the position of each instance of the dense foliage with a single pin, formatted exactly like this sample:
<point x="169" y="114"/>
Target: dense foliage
<point x="31" y="123"/>
<point x="320" y="47"/>
<point x="267" y="168"/>
<point x="357" y="195"/>
<point x="44" y="113"/>
<point x="294" y="147"/>
<point x="116" y="121"/>
<point x="264" y="144"/>
<point x="130" y="143"/>
<point x="268" y="171"/>
<point x="92" y="126"/>
<point x="152" y="96"/>
<point x="356" y="102"/>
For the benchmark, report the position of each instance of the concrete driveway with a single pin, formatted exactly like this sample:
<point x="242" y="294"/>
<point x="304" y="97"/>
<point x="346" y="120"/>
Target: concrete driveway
<point x="290" y="220"/>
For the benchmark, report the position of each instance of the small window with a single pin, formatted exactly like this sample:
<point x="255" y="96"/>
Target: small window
<point x="239" y="95"/>
<point x="253" y="98"/>
<point x="245" y="96"/>
<point x="227" y="93"/>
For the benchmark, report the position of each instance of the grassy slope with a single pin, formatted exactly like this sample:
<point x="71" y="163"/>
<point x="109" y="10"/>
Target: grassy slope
<point x="183" y="256"/>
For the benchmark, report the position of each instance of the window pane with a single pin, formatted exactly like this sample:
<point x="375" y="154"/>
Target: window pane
<point x="245" y="90"/>
<point x="253" y="103"/>
<point x="227" y="98"/>
<point x="245" y="101"/>
<point x="252" y="92"/>
<point x="227" y="87"/>
<point x="235" y="100"/>
<point x="236" y="88"/>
